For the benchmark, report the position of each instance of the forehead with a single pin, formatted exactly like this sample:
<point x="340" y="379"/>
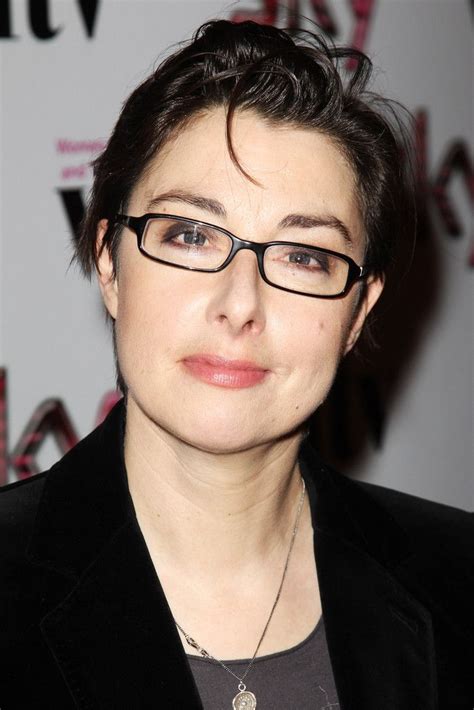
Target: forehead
<point x="292" y="170"/>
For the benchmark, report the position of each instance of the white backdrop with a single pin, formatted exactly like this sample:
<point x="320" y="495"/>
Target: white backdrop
<point x="63" y="79"/>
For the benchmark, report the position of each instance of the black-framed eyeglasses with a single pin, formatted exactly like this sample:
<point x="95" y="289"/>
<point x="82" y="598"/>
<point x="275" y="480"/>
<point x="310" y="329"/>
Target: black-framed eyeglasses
<point x="199" y="246"/>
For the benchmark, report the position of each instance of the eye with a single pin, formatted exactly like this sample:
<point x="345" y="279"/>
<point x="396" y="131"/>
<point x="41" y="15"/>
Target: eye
<point x="309" y="259"/>
<point x="195" y="239"/>
<point x="300" y="257"/>
<point x="185" y="236"/>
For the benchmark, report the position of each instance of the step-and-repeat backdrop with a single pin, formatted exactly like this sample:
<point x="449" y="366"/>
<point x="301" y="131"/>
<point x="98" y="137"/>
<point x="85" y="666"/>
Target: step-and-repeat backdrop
<point x="399" y="416"/>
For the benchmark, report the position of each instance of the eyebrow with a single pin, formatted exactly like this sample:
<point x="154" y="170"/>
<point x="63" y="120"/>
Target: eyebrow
<point x="307" y="221"/>
<point x="189" y="198"/>
<point x="304" y="221"/>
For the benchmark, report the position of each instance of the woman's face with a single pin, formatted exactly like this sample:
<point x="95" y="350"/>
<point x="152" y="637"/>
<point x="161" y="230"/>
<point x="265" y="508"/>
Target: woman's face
<point x="224" y="361"/>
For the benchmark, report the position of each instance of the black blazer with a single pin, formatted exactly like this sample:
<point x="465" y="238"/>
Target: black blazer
<point x="84" y="622"/>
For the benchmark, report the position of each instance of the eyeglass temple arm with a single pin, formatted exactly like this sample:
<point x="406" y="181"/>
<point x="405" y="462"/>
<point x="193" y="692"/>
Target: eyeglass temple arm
<point x="122" y="219"/>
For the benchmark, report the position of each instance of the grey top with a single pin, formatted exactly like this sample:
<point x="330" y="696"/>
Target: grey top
<point x="300" y="677"/>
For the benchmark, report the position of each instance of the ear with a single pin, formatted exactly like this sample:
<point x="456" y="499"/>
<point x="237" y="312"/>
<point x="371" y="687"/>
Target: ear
<point x="105" y="271"/>
<point x="373" y="289"/>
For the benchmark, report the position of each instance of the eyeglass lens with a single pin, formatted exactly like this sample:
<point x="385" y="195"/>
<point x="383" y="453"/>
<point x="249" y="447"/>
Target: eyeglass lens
<point x="196" y="246"/>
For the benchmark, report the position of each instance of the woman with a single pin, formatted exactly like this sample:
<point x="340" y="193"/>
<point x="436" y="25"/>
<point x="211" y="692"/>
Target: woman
<point x="193" y="552"/>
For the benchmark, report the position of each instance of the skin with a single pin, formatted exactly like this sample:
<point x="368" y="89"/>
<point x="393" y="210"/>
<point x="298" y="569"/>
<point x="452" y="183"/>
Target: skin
<point x="213" y="471"/>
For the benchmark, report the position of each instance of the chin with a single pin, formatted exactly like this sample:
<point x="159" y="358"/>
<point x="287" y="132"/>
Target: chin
<point x="218" y="438"/>
<point x="229" y="433"/>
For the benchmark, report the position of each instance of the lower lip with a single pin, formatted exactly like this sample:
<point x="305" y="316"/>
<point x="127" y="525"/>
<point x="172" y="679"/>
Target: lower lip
<point x="231" y="378"/>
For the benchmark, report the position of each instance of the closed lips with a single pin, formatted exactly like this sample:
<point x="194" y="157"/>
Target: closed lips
<point x="222" y="372"/>
<point x="217" y="361"/>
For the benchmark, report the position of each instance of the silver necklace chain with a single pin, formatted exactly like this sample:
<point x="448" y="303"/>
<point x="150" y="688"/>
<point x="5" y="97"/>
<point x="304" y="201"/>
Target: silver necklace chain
<point x="205" y="654"/>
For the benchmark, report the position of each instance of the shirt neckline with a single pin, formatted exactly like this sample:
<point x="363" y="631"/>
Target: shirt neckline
<point x="268" y="657"/>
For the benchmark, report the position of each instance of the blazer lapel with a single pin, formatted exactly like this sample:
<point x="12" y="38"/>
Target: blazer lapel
<point x="113" y="635"/>
<point x="380" y="637"/>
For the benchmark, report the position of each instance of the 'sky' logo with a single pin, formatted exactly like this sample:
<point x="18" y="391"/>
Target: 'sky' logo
<point x="362" y="11"/>
<point x="50" y="418"/>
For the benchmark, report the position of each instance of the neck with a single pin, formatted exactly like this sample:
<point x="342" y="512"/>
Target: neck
<point x="199" y="509"/>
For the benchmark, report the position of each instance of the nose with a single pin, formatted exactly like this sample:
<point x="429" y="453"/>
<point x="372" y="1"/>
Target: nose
<point x="237" y="295"/>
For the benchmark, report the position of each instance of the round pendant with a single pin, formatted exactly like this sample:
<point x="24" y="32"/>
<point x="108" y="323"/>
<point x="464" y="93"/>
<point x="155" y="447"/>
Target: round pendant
<point x="245" y="700"/>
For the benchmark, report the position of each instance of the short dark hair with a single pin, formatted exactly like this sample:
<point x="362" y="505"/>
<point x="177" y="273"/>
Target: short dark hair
<point x="287" y="78"/>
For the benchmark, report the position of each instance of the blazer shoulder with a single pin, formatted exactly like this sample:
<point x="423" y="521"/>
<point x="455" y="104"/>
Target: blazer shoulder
<point x="21" y="498"/>
<point x="428" y="523"/>
<point x="19" y="503"/>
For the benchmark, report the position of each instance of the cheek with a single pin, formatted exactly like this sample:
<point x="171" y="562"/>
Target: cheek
<point x="321" y="339"/>
<point x="158" y="310"/>
<point x="316" y="353"/>
<point x="144" y="318"/>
